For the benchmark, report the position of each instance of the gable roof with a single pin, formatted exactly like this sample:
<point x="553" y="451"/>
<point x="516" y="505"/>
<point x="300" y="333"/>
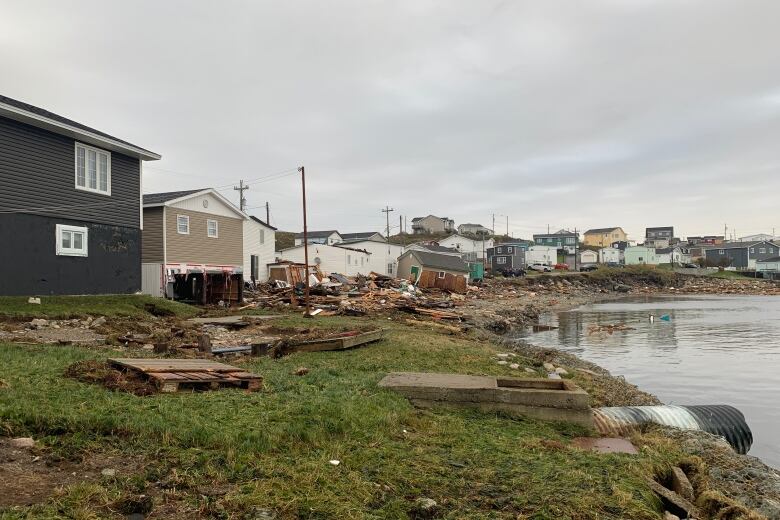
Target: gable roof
<point x="662" y="228"/>
<point x="41" y="118"/>
<point x="319" y="234"/>
<point x="152" y="200"/>
<point x="162" y="198"/>
<point x="598" y="231"/>
<point x="435" y="248"/>
<point x="266" y="224"/>
<point x="439" y="261"/>
<point x="317" y="246"/>
<point x="353" y="236"/>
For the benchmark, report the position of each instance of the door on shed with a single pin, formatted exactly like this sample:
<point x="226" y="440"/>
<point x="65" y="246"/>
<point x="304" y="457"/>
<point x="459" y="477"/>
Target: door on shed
<point x="415" y="272"/>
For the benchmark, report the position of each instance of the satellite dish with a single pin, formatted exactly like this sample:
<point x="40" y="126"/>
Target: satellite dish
<point x="317" y="260"/>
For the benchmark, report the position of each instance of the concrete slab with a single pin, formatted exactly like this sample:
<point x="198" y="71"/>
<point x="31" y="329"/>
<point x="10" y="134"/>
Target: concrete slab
<point x="545" y="399"/>
<point x="605" y="445"/>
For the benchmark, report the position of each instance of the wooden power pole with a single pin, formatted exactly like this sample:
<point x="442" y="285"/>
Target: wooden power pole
<point x="305" y="243"/>
<point x="241" y="189"/>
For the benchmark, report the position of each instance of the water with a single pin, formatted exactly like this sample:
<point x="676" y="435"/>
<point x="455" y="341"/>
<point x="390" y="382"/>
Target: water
<point x="715" y="350"/>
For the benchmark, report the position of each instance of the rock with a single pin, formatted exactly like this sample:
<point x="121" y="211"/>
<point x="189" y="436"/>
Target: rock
<point x="670" y="497"/>
<point x="502" y="362"/>
<point x="99" y="321"/>
<point x="22" y="442"/>
<point x="502" y="356"/>
<point x="334" y="462"/>
<point x="670" y="516"/>
<point x="553" y="375"/>
<point x="549" y="366"/>
<point x="148" y="346"/>
<point x="263" y="514"/>
<point x="425" y="508"/>
<point x="108" y="472"/>
<point x="530" y="370"/>
<point x="301" y="371"/>
<point x="514" y="366"/>
<point x="681" y="485"/>
<point x="38" y="323"/>
<point x="35" y="301"/>
<point x="561" y="371"/>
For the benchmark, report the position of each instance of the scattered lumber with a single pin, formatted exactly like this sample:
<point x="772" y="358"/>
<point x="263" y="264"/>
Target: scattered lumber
<point x="172" y="375"/>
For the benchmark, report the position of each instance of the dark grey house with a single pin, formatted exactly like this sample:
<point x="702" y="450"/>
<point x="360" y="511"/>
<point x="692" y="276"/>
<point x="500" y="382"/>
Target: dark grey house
<point x="660" y="237"/>
<point x="742" y="255"/>
<point x="508" y="256"/>
<point x="70" y="206"/>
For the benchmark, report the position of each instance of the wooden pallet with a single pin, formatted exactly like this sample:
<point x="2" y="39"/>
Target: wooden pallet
<point x="172" y="375"/>
<point x="341" y="342"/>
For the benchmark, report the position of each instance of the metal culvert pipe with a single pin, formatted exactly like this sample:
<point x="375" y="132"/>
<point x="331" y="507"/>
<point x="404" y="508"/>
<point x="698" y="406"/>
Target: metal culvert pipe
<point x="722" y="420"/>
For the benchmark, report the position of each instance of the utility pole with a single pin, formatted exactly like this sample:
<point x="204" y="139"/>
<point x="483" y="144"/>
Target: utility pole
<point x="400" y="224"/>
<point x="725" y="232"/>
<point x="241" y="189"/>
<point x="406" y="225"/>
<point x="267" y="213"/>
<point x="387" y="211"/>
<point x="305" y="243"/>
<point x="507" y="225"/>
<point x="576" y="245"/>
<point x="494" y="224"/>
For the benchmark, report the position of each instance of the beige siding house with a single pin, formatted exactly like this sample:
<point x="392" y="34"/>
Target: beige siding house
<point x="192" y="247"/>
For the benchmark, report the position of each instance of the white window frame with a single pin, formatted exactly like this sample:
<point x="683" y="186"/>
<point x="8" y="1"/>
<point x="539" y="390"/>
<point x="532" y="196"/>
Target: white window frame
<point x="441" y="274"/>
<point x="208" y="228"/>
<point x="721" y="252"/>
<point x="262" y="236"/>
<point x="71" y="251"/>
<point x="178" y="229"/>
<point x="500" y="259"/>
<point x="509" y="249"/>
<point x="761" y="250"/>
<point x="86" y="187"/>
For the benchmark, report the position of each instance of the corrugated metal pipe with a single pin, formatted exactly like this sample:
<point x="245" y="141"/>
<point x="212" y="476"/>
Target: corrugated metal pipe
<point x="723" y="420"/>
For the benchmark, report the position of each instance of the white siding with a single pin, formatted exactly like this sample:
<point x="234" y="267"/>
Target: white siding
<point x="253" y="246"/>
<point x="213" y="205"/>
<point x="152" y="279"/>
<point x="332" y="259"/>
<point x="609" y="255"/>
<point x="466" y="245"/>
<point x="541" y="255"/>
<point x="382" y="254"/>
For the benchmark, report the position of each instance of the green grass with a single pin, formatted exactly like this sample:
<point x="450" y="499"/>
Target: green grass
<point x="65" y="307"/>
<point x="272" y="448"/>
<point x="728" y="275"/>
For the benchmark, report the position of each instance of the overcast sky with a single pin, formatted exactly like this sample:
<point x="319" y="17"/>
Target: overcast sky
<point x="582" y="114"/>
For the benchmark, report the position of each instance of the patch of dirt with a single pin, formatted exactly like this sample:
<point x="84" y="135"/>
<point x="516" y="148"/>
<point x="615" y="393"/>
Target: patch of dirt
<point x="101" y="373"/>
<point x="31" y="476"/>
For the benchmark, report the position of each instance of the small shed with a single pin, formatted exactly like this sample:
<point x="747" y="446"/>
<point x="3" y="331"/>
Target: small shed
<point x="434" y="270"/>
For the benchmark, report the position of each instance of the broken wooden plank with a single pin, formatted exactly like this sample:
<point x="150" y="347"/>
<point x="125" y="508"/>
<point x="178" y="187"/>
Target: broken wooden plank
<point x="337" y="343"/>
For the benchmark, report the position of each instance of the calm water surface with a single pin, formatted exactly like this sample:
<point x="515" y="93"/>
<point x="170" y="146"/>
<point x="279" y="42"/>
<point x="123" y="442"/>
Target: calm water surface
<point x="715" y="350"/>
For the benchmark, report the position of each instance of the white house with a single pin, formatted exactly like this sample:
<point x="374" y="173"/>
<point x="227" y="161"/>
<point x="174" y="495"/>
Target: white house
<point x="384" y="256"/>
<point x="344" y="260"/>
<point x="541" y="255"/>
<point x="768" y="265"/>
<point x="472" y="249"/>
<point x="474" y="229"/>
<point x="259" y="240"/>
<point x="677" y="254"/>
<point x="610" y="255"/>
<point x="329" y="237"/>
<point x="588" y="257"/>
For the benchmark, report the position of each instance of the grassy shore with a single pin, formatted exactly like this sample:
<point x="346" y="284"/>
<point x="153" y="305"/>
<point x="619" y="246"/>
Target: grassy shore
<point x="270" y="451"/>
<point x="65" y="307"/>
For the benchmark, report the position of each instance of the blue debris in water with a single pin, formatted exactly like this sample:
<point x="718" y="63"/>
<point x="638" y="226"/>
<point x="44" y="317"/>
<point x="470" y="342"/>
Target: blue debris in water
<point x="666" y="317"/>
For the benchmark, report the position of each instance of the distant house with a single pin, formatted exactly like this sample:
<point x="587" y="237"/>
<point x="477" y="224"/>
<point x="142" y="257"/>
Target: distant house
<point x="349" y="261"/>
<point x="610" y="255"/>
<point x="428" y="269"/>
<point x="640" y="255"/>
<point x="546" y="255"/>
<point x="588" y="257"/>
<point x="366" y="235"/>
<point x="707" y="240"/>
<point x="329" y="237"/>
<point x="259" y="241"/>
<point x="563" y="240"/>
<point x="433" y="248"/>
<point x="70" y="205"/>
<point x="432" y="224"/>
<point x="384" y="256"/>
<point x="471" y="249"/>
<point x="603" y="237"/>
<point x="760" y="237"/>
<point x="741" y="255"/>
<point x="676" y="254"/>
<point x="769" y="265"/>
<point x="508" y="256"/>
<point x="474" y="229"/>
<point x="660" y="237"/>
<point x="193" y="246"/>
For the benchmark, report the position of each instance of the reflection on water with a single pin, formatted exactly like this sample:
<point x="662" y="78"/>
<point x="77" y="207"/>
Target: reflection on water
<point x="714" y="350"/>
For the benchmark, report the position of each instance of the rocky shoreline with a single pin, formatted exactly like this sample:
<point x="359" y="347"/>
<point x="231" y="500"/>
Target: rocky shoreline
<point x="507" y="305"/>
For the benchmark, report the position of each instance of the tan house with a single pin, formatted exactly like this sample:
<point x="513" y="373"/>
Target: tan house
<point x="432" y="224"/>
<point x="427" y="270"/>
<point x="192" y="247"/>
<point x="604" y="237"/>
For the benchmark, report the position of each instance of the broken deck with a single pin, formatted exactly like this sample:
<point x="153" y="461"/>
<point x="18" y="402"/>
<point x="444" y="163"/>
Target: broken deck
<point x="172" y="375"/>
